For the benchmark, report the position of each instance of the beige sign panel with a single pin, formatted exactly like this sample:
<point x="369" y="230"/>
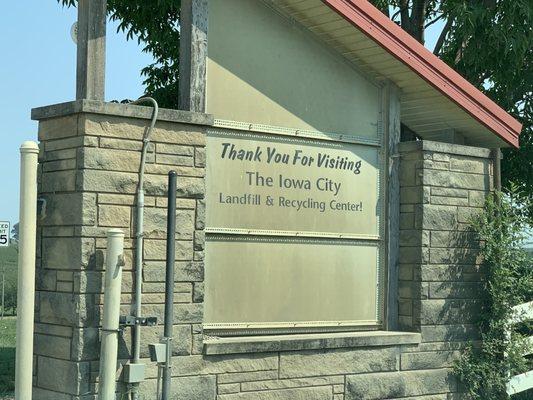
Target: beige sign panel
<point x="263" y="69"/>
<point x="254" y="283"/>
<point x="280" y="185"/>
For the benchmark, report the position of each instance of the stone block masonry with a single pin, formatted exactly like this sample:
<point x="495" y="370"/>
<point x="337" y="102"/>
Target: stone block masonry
<point x="90" y="153"/>
<point x="442" y="187"/>
<point x="89" y="163"/>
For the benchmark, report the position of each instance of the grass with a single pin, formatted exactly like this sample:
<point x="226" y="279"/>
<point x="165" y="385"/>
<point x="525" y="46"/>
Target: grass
<point x="8" y="268"/>
<point x="7" y="355"/>
<point x="8" y="265"/>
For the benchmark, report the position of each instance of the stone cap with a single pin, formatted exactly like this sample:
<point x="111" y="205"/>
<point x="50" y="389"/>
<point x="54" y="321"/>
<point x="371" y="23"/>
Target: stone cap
<point x="448" y="148"/>
<point x="311" y="341"/>
<point x="121" y="110"/>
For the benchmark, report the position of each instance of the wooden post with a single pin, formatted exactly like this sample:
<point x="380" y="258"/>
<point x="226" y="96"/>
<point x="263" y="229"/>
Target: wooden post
<point x="193" y="55"/>
<point x="90" y="72"/>
<point x="392" y="130"/>
<point x="497" y="169"/>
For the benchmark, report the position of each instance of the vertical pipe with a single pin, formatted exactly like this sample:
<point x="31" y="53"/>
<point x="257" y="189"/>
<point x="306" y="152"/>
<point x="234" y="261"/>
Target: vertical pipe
<point x="26" y="270"/>
<point x="139" y="233"/>
<point x="110" y="323"/>
<point x="137" y="309"/>
<point x="169" y="280"/>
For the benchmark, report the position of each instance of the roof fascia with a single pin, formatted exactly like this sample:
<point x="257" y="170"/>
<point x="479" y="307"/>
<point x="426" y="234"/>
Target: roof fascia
<point x="374" y="24"/>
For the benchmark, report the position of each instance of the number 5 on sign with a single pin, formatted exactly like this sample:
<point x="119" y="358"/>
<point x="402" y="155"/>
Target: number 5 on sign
<point x="5" y="228"/>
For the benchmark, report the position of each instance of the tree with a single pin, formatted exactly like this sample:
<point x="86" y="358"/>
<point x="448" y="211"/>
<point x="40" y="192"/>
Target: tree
<point x="10" y="299"/>
<point x="15" y="232"/>
<point x="154" y="23"/>
<point x="507" y="281"/>
<point x="503" y="69"/>
<point x="8" y="268"/>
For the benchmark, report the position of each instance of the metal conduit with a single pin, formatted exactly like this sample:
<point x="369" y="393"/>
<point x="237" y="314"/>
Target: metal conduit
<point x="169" y="282"/>
<point x="139" y="233"/>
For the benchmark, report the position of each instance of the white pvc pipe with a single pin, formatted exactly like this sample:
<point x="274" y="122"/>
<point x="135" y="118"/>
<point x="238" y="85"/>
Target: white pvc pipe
<point x="110" y="323"/>
<point x="29" y="152"/>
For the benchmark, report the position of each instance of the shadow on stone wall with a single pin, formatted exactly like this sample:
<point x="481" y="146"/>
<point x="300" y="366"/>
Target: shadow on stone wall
<point x="463" y="292"/>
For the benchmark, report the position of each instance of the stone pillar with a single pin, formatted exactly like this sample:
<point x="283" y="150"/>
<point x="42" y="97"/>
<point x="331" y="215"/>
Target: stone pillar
<point x="442" y="187"/>
<point x="90" y="154"/>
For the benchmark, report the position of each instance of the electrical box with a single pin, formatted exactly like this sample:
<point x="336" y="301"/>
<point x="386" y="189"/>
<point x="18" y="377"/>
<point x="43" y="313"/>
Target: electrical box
<point x="134" y="373"/>
<point x="158" y="352"/>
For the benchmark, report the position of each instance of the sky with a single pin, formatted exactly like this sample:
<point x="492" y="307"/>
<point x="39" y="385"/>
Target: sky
<point x="39" y="68"/>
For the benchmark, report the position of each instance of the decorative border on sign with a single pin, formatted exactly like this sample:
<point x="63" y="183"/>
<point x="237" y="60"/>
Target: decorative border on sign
<point x="279" y="130"/>
<point x="291" y="239"/>
<point x="268" y="136"/>
<point x="381" y="275"/>
<point x="243" y="329"/>
<point x="265" y="232"/>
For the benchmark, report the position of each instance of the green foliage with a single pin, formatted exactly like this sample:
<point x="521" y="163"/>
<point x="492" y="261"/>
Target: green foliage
<point x="503" y="69"/>
<point x="8" y="266"/>
<point x="155" y="23"/>
<point x="7" y="355"/>
<point x="508" y="281"/>
<point x="15" y="232"/>
<point x="414" y="16"/>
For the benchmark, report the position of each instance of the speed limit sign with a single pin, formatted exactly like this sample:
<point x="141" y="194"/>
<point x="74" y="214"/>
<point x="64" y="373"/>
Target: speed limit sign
<point x="5" y="228"/>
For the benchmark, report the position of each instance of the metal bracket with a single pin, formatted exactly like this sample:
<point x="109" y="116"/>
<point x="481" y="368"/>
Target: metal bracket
<point x="158" y="352"/>
<point x="130" y="320"/>
<point x="41" y="208"/>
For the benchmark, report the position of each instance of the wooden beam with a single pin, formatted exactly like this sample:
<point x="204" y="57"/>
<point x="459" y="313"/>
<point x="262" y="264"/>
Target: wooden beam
<point x="90" y="71"/>
<point x="392" y="136"/>
<point x="497" y="169"/>
<point x="193" y="55"/>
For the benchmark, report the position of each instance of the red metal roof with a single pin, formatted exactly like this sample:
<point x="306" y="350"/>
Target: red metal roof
<point x="438" y="74"/>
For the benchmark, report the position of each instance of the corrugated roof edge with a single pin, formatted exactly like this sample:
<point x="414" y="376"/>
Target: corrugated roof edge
<point x="442" y="77"/>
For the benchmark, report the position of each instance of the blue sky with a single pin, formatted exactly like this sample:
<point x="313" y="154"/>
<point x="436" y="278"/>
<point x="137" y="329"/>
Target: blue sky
<point x="38" y="69"/>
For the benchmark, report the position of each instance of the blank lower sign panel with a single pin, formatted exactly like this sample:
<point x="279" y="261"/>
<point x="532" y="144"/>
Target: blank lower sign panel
<point x="263" y="283"/>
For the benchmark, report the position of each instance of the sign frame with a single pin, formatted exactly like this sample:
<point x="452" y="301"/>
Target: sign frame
<point x="306" y="139"/>
<point x="232" y="329"/>
<point x="5" y="231"/>
<point x="250" y="328"/>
